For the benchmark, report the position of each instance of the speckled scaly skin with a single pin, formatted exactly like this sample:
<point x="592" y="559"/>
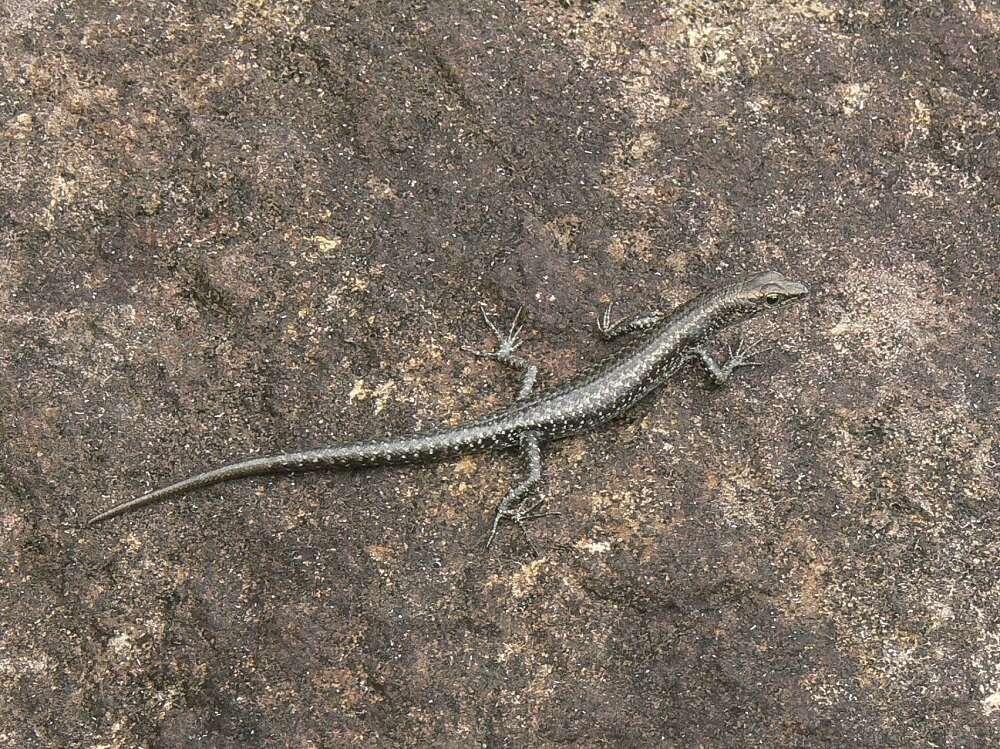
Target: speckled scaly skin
<point x="663" y="343"/>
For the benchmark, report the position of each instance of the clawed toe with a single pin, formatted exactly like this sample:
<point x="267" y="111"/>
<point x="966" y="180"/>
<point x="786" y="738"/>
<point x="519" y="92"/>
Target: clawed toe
<point x="604" y="321"/>
<point x="507" y="343"/>
<point x="512" y="341"/>
<point x="488" y="318"/>
<point x="519" y="517"/>
<point x="746" y="354"/>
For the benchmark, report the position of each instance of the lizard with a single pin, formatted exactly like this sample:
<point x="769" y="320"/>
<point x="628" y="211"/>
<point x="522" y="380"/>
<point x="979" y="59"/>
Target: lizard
<point x="661" y="343"/>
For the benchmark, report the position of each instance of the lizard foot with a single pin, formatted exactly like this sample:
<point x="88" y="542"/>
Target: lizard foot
<point x="604" y="325"/>
<point x="743" y="356"/>
<point x="745" y="353"/>
<point x="520" y="516"/>
<point x="507" y="343"/>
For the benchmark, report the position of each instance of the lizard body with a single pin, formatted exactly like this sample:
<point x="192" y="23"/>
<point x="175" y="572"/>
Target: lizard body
<point x="662" y="343"/>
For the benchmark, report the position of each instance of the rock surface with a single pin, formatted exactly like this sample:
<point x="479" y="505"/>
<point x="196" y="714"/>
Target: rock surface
<point x="235" y="228"/>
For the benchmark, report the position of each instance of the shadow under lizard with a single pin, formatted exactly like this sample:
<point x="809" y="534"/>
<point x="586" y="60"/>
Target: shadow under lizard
<point x="661" y="344"/>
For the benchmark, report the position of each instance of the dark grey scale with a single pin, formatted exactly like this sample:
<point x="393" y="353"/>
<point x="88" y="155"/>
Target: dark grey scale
<point x="660" y="344"/>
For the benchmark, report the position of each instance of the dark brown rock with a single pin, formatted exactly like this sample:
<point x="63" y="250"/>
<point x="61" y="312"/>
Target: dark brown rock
<point x="232" y="228"/>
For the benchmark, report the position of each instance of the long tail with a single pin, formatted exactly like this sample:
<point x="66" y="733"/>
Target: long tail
<point x="253" y="467"/>
<point x="415" y="449"/>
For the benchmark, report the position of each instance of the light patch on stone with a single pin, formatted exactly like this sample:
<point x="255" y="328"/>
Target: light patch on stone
<point x="359" y="391"/>
<point x="19" y="126"/>
<point x="25" y="664"/>
<point x="814" y="9"/>
<point x="382" y="395"/>
<point x="381" y="553"/>
<point x="594" y="547"/>
<point x="633" y="243"/>
<point x="380" y="188"/>
<point x="326" y="245"/>
<point x="920" y="122"/>
<point x="525" y="579"/>
<point x="853" y="97"/>
<point x="280" y="15"/>
<point x="466" y="466"/>
<point x="991" y="703"/>
<point x="379" y="394"/>
<point x="941" y="613"/>
<point x="121" y="643"/>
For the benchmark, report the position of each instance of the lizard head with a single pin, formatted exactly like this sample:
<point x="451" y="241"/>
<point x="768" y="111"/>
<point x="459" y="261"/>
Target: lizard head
<point x="769" y="290"/>
<point x="752" y="296"/>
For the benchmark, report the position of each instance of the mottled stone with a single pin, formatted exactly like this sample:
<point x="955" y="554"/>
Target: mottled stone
<point x="217" y="217"/>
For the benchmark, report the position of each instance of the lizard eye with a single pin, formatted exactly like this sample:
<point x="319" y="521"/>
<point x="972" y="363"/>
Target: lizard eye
<point x="772" y="298"/>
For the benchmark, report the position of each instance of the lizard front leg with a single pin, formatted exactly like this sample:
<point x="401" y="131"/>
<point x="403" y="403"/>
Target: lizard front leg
<point x="635" y="324"/>
<point x="720" y="373"/>
<point x="507" y="344"/>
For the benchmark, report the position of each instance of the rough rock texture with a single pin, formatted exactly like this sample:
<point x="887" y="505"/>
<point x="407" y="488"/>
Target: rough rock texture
<point x="232" y="228"/>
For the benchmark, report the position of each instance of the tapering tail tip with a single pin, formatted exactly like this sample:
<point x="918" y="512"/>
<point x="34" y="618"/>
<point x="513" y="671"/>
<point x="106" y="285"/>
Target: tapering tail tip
<point x="132" y="504"/>
<point x="102" y="516"/>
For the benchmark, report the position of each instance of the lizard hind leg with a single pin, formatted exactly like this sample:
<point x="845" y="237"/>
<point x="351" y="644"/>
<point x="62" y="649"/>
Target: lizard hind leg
<point x="513" y="506"/>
